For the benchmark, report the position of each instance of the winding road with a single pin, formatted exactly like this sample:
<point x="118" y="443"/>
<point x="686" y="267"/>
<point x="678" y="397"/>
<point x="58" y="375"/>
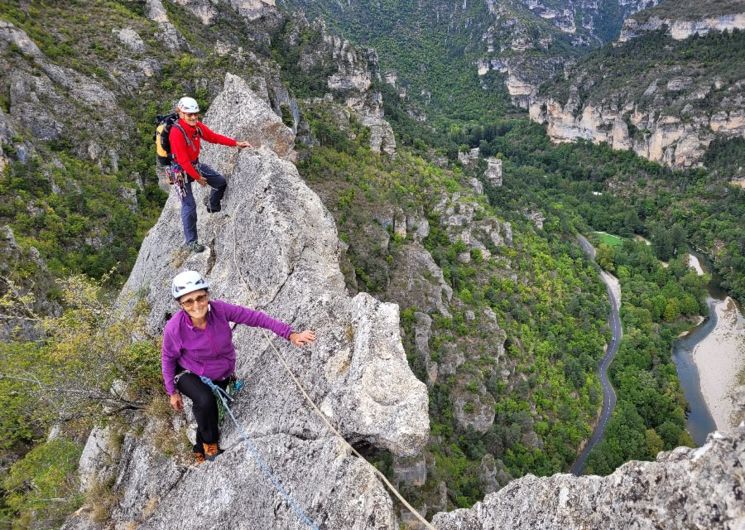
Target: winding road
<point x="609" y="395"/>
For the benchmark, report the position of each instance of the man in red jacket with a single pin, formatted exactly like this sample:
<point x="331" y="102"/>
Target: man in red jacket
<point x="185" y="138"/>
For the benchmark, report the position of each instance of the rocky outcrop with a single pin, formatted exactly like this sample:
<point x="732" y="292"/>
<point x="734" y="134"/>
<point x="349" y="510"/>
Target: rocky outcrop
<point x="274" y="247"/>
<point x="474" y="410"/>
<point x="350" y="73"/>
<point x="680" y="29"/>
<point x="417" y="281"/>
<point x="459" y="216"/>
<point x="168" y="33"/>
<point x="493" y="173"/>
<point x="660" y="104"/>
<point x="523" y="38"/>
<point x="685" y="488"/>
<point x="670" y="139"/>
<point x="44" y="96"/>
<point x="352" y="82"/>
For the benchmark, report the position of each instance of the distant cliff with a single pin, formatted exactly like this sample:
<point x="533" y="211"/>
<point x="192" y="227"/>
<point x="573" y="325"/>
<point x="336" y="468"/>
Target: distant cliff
<point x="686" y="18"/>
<point x="666" y="96"/>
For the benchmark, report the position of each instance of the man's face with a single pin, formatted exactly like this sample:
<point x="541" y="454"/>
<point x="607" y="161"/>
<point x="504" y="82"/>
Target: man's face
<point x="189" y="117"/>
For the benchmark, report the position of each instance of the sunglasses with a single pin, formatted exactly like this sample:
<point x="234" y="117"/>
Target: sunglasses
<point x="189" y="302"/>
<point x="191" y="114"/>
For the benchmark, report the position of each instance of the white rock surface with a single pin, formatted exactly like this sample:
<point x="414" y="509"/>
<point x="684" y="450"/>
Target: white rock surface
<point x="685" y="488"/>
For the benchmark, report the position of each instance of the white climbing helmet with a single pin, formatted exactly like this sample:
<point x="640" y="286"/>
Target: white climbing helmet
<point x="187" y="282"/>
<point x="187" y="104"/>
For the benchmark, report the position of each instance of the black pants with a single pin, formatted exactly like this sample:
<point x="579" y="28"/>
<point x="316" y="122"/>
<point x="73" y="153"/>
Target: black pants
<point x="204" y="407"/>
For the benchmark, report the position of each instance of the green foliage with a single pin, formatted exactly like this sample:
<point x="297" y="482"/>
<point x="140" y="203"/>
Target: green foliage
<point x="415" y="40"/>
<point x="41" y="489"/>
<point x="626" y="71"/>
<point x="66" y="377"/>
<point x="556" y="309"/>
<point x="88" y="228"/>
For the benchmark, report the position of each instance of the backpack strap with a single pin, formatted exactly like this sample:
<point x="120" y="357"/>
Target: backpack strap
<point x="189" y="143"/>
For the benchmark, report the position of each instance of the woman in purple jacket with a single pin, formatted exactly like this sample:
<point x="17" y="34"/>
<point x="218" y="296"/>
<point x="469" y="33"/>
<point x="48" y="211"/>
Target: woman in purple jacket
<point x="197" y="341"/>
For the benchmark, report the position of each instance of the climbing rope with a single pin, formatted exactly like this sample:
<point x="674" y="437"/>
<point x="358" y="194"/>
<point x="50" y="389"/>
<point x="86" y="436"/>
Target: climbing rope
<point x="339" y="435"/>
<point x="254" y="452"/>
<point x="319" y="412"/>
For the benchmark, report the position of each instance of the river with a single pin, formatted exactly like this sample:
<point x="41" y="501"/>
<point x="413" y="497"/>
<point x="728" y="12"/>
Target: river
<point x="690" y="349"/>
<point x="700" y="422"/>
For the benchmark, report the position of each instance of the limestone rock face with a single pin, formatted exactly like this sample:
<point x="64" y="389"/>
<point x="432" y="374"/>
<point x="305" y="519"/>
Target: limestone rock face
<point x="96" y="459"/>
<point x="352" y="82"/>
<point x="239" y="109"/>
<point x="417" y="280"/>
<point x="680" y="29"/>
<point x="685" y="488"/>
<point x="254" y="9"/>
<point x="474" y="410"/>
<point x="274" y="247"/>
<point x="666" y="139"/>
<point x="130" y="39"/>
<point x="168" y="33"/>
<point x="525" y="50"/>
<point x="493" y="173"/>
<point x="43" y="97"/>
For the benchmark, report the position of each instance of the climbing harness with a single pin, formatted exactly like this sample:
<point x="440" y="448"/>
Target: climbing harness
<point x="320" y="413"/>
<point x="177" y="179"/>
<point x="254" y="452"/>
<point x="234" y="386"/>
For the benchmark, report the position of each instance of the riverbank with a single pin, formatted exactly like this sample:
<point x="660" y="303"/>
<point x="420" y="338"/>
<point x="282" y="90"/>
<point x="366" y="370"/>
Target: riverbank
<point x="720" y="357"/>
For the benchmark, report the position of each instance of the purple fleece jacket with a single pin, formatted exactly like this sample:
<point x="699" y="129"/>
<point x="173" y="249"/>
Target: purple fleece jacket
<point x="210" y="351"/>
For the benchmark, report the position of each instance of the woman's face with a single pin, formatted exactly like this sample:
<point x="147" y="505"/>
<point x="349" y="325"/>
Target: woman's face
<point x="195" y="304"/>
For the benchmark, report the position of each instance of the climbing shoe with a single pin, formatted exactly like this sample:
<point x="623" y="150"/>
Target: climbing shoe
<point x="211" y="451"/>
<point x="213" y="210"/>
<point x="196" y="247"/>
<point x="198" y="458"/>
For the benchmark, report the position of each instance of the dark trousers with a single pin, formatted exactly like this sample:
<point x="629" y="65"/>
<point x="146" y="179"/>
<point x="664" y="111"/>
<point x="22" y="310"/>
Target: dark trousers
<point x="204" y="407"/>
<point x="189" y="207"/>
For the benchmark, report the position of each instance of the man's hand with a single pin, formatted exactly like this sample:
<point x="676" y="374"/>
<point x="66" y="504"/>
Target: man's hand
<point x="202" y="181"/>
<point x="302" y="338"/>
<point x="177" y="403"/>
<point x="242" y="144"/>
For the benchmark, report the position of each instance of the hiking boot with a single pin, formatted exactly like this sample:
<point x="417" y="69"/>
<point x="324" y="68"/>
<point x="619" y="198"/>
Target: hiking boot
<point x="213" y="210"/>
<point x="211" y="451"/>
<point x="198" y="457"/>
<point x="196" y="247"/>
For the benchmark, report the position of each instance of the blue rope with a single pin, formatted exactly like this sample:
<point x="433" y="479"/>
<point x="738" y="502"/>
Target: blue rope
<point x="254" y="452"/>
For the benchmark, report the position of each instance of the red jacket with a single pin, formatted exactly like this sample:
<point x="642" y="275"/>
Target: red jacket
<point x="183" y="153"/>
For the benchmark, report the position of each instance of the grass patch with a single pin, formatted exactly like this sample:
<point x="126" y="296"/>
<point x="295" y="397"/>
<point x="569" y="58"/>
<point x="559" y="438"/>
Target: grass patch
<point x="608" y="239"/>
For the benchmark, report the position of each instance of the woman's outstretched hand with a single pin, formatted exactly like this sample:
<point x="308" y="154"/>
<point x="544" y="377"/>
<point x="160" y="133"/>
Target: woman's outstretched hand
<point x="302" y="338"/>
